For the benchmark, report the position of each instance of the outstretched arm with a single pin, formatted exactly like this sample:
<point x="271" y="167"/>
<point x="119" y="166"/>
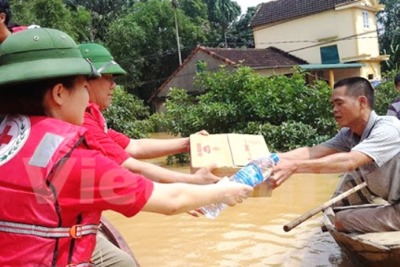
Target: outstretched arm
<point x="152" y="148"/>
<point x="332" y="163"/>
<point x="305" y="153"/>
<point x="176" y="198"/>
<point x="162" y="175"/>
<point x="146" y="148"/>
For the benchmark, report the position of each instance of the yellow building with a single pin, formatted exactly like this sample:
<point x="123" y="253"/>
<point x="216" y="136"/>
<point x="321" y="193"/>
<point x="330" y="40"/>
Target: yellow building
<point x="337" y="37"/>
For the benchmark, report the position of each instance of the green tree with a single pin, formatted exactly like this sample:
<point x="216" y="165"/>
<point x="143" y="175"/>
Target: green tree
<point x="221" y="14"/>
<point x="104" y="7"/>
<point x="284" y="109"/>
<point x="228" y="11"/>
<point x="24" y="16"/>
<point x="389" y="33"/>
<point x="129" y="115"/>
<point x="385" y="92"/>
<point x="196" y="10"/>
<point x="157" y="54"/>
<point x="103" y="12"/>
<point x="53" y="14"/>
<point x="240" y="34"/>
<point x="127" y="42"/>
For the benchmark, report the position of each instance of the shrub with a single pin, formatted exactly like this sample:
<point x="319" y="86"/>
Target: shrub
<point x="286" y="111"/>
<point x="128" y="114"/>
<point x="385" y="92"/>
<point x="287" y="136"/>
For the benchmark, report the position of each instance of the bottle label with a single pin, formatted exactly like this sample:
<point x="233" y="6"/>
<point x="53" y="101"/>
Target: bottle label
<point x="250" y="175"/>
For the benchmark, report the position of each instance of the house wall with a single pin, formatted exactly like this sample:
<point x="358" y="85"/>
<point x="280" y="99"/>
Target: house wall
<point x="298" y="36"/>
<point x="303" y="37"/>
<point x="367" y="45"/>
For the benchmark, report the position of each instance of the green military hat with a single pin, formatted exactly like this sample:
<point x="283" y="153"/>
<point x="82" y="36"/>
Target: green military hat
<point x="40" y="54"/>
<point x="101" y="58"/>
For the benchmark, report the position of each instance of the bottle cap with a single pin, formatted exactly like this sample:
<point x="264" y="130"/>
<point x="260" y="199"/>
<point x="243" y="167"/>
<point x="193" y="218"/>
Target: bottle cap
<point x="274" y="157"/>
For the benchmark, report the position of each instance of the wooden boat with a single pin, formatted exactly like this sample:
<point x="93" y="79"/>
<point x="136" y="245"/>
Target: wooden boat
<point x="115" y="237"/>
<point x="380" y="249"/>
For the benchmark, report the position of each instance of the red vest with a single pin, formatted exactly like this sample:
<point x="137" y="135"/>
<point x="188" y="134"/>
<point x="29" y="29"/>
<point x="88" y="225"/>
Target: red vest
<point x="33" y="229"/>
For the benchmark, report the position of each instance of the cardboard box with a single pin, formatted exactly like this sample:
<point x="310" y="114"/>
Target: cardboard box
<point x="230" y="152"/>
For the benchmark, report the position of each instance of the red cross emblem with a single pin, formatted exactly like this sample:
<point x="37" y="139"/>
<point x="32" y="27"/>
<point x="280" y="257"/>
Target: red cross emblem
<point x="14" y="131"/>
<point x="5" y="138"/>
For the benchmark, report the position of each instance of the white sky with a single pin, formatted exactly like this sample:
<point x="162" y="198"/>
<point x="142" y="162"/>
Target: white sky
<point x="244" y="4"/>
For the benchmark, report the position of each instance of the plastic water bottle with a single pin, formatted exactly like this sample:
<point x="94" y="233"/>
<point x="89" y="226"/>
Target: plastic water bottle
<point x="254" y="173"/>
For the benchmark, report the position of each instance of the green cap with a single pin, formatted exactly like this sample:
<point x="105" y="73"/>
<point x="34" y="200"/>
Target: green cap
<point x="101" y="58"/>
<point x="40" y="54"/>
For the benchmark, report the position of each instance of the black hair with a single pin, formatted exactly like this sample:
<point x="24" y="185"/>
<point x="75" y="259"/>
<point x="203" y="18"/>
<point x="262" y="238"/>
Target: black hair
<point x="27" y="98"/>
<point x="357" y="86"/>
<point x="397" y="80"/>
<point x="5" y="8"/>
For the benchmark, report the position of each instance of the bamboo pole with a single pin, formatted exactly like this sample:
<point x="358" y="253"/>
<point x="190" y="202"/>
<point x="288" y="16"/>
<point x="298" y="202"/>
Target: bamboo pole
<point x="324" y="206"/>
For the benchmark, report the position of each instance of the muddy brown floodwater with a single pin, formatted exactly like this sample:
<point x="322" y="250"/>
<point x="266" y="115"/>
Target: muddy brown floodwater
<point x="247" y="235"/>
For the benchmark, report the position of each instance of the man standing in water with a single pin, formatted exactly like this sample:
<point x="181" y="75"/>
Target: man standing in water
<point x="367" y="142"/>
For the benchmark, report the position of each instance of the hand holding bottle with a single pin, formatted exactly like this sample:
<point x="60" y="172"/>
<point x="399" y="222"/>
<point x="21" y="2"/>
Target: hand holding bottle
<point x="254" y="173"/>
<point x="234" y="192"/>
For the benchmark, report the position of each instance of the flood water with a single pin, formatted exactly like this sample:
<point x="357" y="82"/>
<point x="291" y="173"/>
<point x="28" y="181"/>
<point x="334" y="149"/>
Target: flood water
<point x="247" y="235"/>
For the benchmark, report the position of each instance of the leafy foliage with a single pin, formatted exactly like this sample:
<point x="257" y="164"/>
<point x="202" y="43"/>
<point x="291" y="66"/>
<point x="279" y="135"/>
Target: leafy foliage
<point x="141" y="36"/>
<point x="385" y="92"/>
<point x="287" y="136"/>
<point x="53" y="14"/>
<point x="284" y="109"/>
<point x="196" y="10"/>
<point x="389" y="33"/>
<point x="24" y="16"/>
<point x="141" y="33"/>
<point x="240" y="34"/>
<point x="127" y="114"/>
<point x="127" y="41"/>
<point x="102" y="12"/>
<point x="221" y="14"/>
<point x="150" y="33"/>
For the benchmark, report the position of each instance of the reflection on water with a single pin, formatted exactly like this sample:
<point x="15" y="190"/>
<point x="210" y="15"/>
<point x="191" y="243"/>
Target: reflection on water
<point x="247" y="235"/>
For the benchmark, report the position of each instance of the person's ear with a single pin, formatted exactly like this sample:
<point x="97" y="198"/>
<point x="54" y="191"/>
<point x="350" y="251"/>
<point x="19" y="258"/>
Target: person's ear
<point x="363" y="101"/>
<point x="3" y="17"/>
<point x="59" y="93"/>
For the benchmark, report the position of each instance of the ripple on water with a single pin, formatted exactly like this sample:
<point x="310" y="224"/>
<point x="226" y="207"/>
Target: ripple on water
<point x="247" y="235"/>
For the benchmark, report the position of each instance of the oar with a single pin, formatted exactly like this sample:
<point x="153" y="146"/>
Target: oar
<point x="324" y="206"/>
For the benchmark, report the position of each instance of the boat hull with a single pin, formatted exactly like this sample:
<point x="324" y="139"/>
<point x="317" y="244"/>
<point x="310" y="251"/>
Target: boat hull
<point x="372" y="250"/>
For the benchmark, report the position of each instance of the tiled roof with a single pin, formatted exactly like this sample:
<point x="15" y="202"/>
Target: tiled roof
<point x="280" y="10"/>
<point x="270" y="57"/>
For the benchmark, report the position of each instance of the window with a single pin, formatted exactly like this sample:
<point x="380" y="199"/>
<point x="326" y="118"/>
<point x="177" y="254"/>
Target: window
<point x="365" y="19"/>
<point x="329" y="54"/>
